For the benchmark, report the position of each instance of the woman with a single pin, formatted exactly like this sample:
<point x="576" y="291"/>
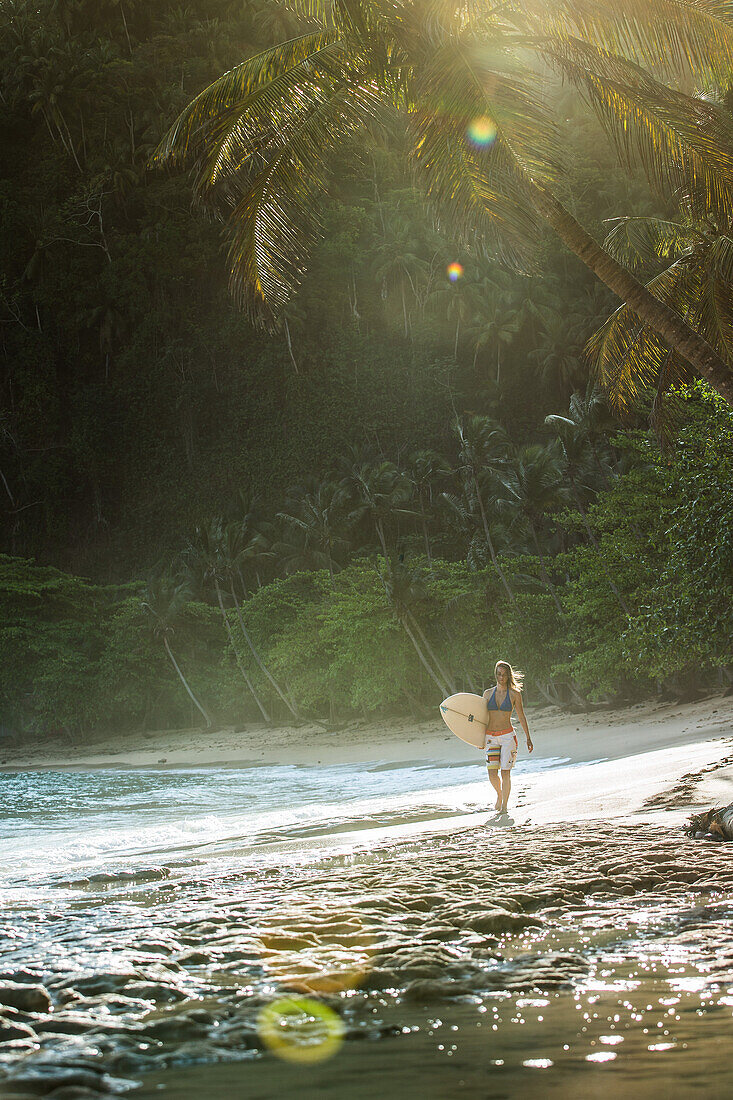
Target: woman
<point x="501" y="740"/>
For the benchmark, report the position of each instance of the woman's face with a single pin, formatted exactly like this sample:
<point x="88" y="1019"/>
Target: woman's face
<point x="502" y="676"/>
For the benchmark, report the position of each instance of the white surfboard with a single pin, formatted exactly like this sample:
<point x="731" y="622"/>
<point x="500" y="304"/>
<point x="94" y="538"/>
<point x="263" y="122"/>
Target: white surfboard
<point x="467" y="716"/>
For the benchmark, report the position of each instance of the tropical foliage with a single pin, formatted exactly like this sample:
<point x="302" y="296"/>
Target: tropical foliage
<point x="290" y="525"/>
<point x="469" y="84"/>
<point x="612" y="578"/>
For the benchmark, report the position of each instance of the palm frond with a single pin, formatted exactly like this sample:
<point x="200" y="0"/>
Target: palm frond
<point x="635" y="241"/>
<point x="683" y="144"/>
<point x="275" y="221"/>
<point x="628" y="357"/>
<point x="715" y="307"/>
<point x="265" y="79"/>
<point x="676" y="37"/>
<point x="479" y="191"/>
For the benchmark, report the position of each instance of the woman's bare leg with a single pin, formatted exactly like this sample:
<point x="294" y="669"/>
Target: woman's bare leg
<point x="496" y="784"/>
<point x="506" y="789"/>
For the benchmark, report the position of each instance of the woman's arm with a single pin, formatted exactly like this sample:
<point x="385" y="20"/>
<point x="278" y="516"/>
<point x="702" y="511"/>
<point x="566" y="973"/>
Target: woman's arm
<point x="523" y="719"/>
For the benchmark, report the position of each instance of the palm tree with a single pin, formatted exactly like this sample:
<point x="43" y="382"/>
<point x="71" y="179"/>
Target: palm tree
<point x="457" y="302"/>
<point x="495" y="326"/>
<point x="398" y="262"/>
<point x="379" y="492"/>
<point x="424" y="469"/>
<point x="263" y="137"/>
<point x="202" y="562"/>
<point x="404" y="590"/>
<point x="164" y="600"/>
<point x="533" y="486"/>
<point x="558" y="357"/>
<point x="697" y="275"/>
<point x="575" y="447"/>
<point x="219" y="548"/>
<point x="317" y="518"/>
<point x="483" y="446"/>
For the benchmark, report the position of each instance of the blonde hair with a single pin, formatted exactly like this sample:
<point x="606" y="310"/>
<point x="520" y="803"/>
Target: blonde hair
<point x="516" y="678"/>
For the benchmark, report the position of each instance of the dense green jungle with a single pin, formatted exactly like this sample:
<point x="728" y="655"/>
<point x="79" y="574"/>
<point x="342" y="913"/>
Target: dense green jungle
<point x="354" y="514"/>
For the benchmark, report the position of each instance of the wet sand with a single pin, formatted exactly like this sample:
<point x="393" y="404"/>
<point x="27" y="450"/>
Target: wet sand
<point x="476" y="1063"/>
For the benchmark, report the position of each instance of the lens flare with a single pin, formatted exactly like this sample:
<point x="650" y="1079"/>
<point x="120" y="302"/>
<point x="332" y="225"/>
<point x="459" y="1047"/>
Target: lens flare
<point x="481" y="132"/>
<point x="299" y="1029"/>
<point x="455" y="271"/>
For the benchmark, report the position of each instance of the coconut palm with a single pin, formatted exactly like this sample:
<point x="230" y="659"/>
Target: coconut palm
<point x="218" y="547"/>
<point x="697" y="275"/>
<point x="457" y="302"/>
<point x="532" y="484"/>
<point x="379" y="492"/>
<point x="424" y="469"/>
<point x="316" y="517"/>
<point x="576" y="452"/>
<point x="202" y="564"/>
<point x="558" y="357"/>
<point x="398" y="262"/>
<point x="496" y="325"/>
<point x="483" y="445"/>
<point x="404" y="591"/>
<point x="164" y="600"/>
<point x="470" y="80"/>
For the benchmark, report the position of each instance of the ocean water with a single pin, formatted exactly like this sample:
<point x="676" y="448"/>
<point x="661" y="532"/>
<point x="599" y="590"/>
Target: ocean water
<point x="56" y="824"/>
<point x="162" y="914"/>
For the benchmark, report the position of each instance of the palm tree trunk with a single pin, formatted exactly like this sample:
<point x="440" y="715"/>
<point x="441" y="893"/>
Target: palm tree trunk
<point x="430" y="651"/>
<point x="382" y="541"/>
<point x="245" y="677"/>
<point x="430" y="671"/>
<point x="489" y="540"/>
<point x="427" y="542"/>
<point x="660" y="318"/>
<point x="260" y="663"/>
<point x="184" y="681"/>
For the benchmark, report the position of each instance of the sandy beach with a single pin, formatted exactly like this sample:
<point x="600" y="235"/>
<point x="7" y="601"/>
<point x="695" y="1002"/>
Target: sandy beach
<point x="581" y="947"/>
<point x="601" y="734"/>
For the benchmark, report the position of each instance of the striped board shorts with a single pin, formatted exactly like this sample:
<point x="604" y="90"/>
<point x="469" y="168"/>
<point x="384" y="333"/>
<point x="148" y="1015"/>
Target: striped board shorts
<point x="501" y="750"/>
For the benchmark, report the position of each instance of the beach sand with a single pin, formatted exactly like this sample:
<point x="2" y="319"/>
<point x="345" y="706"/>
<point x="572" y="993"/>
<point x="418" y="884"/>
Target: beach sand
<point x="580" y="948"/>
<point x="601" y="734"/>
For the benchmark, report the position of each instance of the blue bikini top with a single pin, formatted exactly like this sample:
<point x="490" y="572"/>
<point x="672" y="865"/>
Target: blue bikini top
<point x="506" y="705"/>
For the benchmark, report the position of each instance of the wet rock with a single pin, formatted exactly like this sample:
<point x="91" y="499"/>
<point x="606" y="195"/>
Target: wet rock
<point x="45" y="1079"/>
<point x="74" y="1092"/>
<point x="427" y="990"/>
<point x="194" y="958"/>
<point x="238" y="1037"/>
<point x="24" y="976"/>
<point x="30" y="998"/>
<point x="154" y="947"/>
<point x="499" y="920"/>
<point x="440" y="933"/>
<point x="64" y="1025"/>
<point x="155" y="991"/>
<point x="177" y="1028"/>
<point x="112" y="1003"/>
<point x="100" y="982"/>
<point x="15" y="1029"/>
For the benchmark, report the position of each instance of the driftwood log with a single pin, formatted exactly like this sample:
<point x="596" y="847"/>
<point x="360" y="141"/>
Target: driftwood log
<point x="716" y="823"/>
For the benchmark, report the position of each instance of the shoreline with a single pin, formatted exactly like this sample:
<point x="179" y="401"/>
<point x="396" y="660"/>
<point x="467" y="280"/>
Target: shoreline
<point x="466" y="945"/>
<point x="599" y="735"/>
